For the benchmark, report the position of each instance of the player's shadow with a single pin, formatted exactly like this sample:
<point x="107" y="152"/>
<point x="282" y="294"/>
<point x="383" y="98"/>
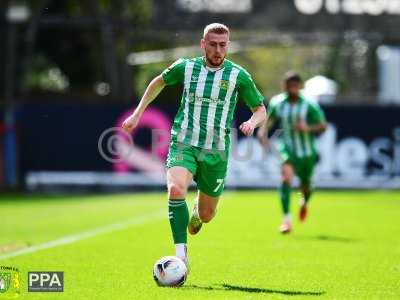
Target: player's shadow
<point x="329" y="238"/>
<point x="230" y="287"/>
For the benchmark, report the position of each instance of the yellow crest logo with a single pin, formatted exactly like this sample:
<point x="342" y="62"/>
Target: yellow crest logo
<point x="224" y="84"/>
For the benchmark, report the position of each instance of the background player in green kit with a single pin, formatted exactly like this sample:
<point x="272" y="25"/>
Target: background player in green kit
<point x="300" y="120"/>
<point x="200" y="132"/>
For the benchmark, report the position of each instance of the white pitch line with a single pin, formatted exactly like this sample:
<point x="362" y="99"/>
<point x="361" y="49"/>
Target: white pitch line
<point x="70" y="239"/>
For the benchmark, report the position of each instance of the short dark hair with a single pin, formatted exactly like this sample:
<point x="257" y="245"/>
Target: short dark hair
<point x="292" y="76"/>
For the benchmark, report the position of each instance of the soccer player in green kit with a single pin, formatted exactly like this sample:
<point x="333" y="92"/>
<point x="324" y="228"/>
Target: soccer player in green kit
<point x="200" y="135"/>
<point x="301" y="120"/>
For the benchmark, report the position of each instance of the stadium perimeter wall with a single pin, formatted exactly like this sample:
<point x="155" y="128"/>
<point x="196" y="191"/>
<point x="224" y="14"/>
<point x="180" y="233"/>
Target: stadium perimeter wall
<point x="59" y="146"/>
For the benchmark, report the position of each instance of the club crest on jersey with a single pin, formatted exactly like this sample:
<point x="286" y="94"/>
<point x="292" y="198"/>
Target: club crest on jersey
<point x="224" y="84"/>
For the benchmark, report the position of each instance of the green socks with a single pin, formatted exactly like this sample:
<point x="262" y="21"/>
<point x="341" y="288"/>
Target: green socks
<point x="178" y="219"/>
<point x="307" y="195"/>
<point x="285" y="197"/>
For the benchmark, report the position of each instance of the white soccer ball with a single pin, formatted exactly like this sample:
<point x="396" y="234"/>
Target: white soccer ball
<point x="170" y="271"/>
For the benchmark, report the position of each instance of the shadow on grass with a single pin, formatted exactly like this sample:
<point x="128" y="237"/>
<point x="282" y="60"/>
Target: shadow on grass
<point x="328" y="238"/>
<point x="229" y="287"/>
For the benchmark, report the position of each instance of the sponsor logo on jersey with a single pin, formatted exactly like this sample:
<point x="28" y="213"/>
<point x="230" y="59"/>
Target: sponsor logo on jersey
<point x="192" y="98"/>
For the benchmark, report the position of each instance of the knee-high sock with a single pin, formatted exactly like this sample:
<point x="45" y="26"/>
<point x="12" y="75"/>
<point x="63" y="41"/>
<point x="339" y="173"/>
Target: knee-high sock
<point x="178" y="219"/>
<point x="285" y="197"/>
<point x="307" y="192"/>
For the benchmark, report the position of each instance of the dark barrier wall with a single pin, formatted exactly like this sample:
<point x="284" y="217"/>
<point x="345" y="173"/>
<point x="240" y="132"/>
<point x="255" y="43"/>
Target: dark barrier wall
<point x="2" y="131"/>
<point x="360" y="142"/>
<point x="65" y="137"/>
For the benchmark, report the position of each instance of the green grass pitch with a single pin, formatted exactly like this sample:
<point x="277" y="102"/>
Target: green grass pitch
<point x="349" y="247"/>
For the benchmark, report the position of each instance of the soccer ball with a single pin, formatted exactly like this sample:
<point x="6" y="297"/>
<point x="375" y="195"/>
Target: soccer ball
<point x="169" y="271"/>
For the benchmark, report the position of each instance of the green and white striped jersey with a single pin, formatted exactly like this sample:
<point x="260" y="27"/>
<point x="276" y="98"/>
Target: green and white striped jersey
<point x="300" y="144"/>
<point x="208" y="101"/>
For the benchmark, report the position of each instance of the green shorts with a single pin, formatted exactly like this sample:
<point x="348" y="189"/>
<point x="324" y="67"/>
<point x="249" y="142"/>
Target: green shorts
<point x="207" y="166"/>
<point x="303" y="166"/>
